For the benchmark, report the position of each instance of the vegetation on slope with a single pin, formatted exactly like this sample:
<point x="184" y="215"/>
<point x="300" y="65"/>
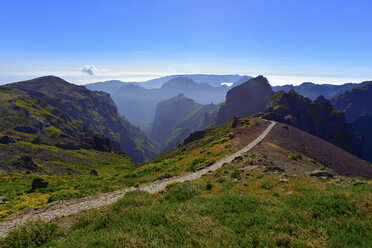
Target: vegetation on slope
<point x="67" y="171"/>
<point x="59" y="112"/>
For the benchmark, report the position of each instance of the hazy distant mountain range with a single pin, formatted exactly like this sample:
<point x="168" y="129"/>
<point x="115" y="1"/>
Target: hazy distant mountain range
<point x="177" y="117"/>
<point x="138" y="104"/>
<point x="211" y="79"/>
<point x="313" y="91"/>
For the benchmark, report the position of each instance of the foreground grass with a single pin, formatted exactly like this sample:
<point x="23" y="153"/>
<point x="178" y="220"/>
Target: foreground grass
<point x="211" y="212"/>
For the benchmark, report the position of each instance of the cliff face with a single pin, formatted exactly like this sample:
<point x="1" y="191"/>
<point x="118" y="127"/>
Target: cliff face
<point x="355" y="102"/>
<point x="316" y="117"/>
<point x="363" y="126"/>
<point x="245" y="99"/>
<point x="64" y="114"/>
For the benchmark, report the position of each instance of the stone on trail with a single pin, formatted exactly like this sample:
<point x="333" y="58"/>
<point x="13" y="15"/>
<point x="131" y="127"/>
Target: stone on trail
<point x="319" y="173"/>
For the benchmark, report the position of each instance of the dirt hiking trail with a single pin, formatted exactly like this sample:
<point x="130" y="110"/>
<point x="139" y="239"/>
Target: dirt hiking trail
<point x="69" y="207"/>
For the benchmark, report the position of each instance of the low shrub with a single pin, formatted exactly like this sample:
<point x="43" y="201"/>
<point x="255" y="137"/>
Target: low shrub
<point x="208" y="186"/>
<point x="295" y="156"/>
<point x="31" y="234"/>
<point x="267" y="185"/>
<point x="181" y="192"/>
<point x="235" y="174"/>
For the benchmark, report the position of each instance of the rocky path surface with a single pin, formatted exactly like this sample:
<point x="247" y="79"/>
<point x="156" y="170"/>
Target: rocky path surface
<point x="65" y="208"/>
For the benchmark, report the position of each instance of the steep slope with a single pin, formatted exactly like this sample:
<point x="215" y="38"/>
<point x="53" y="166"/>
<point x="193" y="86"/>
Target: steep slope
<point x="139" y="104"/>
<point x="316" y="117"/>
<point x="313" y="91"/>
<point x="284" y="141"/>
<point x="245" y="99"/>
<point x="363" y="126"/>
<point x="175" y="118"/>
<point x="241" y="80"/>
<point x="62" y="113"/>
<point x="355" y="102"/>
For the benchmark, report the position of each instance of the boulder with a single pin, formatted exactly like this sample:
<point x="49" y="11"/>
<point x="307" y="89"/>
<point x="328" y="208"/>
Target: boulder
<point x="95" y="142"/>
<point x="275" y="168"/>
<point x="319" y="173"/>
<point x="359" y="182"/>
<point x="25" y="129"/>
<point x="165" y="176"/>
<point x="236" y="122"/>
<point x="238" y="158"/>
<point x="39" y="183"/>
<point x="93" y="173"/>
<point x="6" y="140"/>
<point x="39" y="141"/>
<point x="25" y="163"/>
<point x="195" y="136"/>
<point x="283" y="180"/>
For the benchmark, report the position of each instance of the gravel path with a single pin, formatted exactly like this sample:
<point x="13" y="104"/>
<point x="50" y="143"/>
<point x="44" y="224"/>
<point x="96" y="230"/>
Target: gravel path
<point x="65" y="208"/>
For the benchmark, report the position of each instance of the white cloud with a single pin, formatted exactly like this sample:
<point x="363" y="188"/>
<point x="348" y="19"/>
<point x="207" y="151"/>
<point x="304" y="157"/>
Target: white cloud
<point x="90" y="69"/>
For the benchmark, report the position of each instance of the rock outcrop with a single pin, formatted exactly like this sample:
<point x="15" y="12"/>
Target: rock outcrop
<point x="355" y="102"/>
<point x="363" y="126"/>
<point x="6" y="140"/>
<point x="25" y="163"/>
<point x="316" y="117"/>
<point x="245" y="99"/>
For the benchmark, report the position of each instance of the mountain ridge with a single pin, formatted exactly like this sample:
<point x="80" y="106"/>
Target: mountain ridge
<point x="53" y="102"/>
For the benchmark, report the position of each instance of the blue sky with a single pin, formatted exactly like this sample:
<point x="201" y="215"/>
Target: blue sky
<point x="289" y="41"/>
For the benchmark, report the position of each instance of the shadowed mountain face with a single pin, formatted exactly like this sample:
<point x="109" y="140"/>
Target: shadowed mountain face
<point x="64" y="114"/>
<point x="176" y="118"/>
<point x="139" y="104"/>
<point x="355" y="102"/>
<point x="363" y="126"/>
<point x="245" y="99"/>
<point x="316" y="117"/>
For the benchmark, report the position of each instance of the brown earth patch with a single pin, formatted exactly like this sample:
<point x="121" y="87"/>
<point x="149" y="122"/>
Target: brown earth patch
<point x="245" y="134"/>
<point x="291" y="139"/>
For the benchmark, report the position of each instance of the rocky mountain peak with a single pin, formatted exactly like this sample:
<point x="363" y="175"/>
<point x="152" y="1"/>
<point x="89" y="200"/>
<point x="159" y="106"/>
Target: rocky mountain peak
<point x="245" y="99"/>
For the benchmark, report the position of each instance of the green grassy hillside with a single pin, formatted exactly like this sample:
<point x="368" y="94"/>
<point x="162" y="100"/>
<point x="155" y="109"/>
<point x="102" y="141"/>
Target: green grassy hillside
<point x="248" y="202"/>
<point x="58" y="112"/>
